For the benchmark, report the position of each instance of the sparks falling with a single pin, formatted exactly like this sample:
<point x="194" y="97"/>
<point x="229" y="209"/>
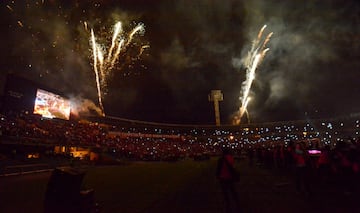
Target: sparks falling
<point x="104" y="62"/>
<point x="253" y="59"/>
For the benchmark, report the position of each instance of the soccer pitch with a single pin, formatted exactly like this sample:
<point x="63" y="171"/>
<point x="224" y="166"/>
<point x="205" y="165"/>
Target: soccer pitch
<point x="135" y="187"/>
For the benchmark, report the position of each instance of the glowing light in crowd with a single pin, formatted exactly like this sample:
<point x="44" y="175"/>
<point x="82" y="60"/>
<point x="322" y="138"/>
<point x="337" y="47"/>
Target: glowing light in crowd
<point x="104" y="62"/>
<point x="251" y="62"/>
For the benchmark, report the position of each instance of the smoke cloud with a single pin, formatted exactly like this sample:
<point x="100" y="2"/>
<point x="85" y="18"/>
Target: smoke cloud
<point x="306" y="50"/>
<point x="296" y="67"/>
<point x="81" y="106"/>
<point x="197" y="46"/>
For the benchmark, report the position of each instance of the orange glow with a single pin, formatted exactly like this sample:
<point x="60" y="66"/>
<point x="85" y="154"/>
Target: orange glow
<point x="33" y="155"/>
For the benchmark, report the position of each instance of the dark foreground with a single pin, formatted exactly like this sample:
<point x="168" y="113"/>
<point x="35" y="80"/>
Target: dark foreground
<point x="185" y="187"/>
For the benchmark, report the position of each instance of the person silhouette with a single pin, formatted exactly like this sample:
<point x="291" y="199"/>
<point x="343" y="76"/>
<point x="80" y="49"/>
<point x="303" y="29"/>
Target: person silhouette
<point x="226" y="180"/>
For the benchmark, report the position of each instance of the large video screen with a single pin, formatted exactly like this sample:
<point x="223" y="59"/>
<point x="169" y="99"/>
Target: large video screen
<point x="50" y="105"/>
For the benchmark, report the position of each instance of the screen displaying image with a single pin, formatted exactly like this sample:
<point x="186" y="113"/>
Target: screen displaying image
<point x="50" y="105"/>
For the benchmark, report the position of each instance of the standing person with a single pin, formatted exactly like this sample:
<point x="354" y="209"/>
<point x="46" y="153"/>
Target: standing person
<point x="289" y="156"/>
<point x="301" y="169"/>
<point x="324" y="164"/>
<point x="227" y="180"/>
<point x="250" y="153"/>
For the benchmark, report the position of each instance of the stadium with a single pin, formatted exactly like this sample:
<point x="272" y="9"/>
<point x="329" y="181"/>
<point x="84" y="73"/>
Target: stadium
<point x="42" y="118"/>
<point x="35" y="137"/>
<point x="151" y="106"/>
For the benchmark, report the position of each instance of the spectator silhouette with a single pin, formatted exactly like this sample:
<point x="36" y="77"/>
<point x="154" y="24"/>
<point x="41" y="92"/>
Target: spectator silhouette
<point x="227" y="182"/>
<point x="302" y="172"/>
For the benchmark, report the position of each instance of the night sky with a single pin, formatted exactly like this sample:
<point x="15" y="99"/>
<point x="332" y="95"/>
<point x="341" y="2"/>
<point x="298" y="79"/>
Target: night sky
<point x="312" y="69"/>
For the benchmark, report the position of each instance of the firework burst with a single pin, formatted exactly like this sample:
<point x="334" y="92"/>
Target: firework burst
<point x="251" y="62"/>
<point x="105" y="61"/>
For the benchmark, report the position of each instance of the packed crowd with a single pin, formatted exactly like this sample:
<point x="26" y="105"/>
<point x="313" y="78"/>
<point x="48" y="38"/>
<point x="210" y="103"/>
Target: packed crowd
<point x="154" y="143"/>
<point x="151" y="149"/>
<point x="312" y="164"/>
<point x="33" y="129"/>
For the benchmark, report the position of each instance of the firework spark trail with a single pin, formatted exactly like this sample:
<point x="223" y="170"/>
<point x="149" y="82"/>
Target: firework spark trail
<point x="10" y="8"/>
<point x="20" y="24"/>
<point x="249" y="79"/>
<point x="243" y="108"/>
<point x="94" y="46"/>
<point x="104" y="64"/>
<point x="85" y="25"/>
<point x="139" y="28"/>
<point x="101" y="66"/>
<point x="142" y="49"/>
<point x="260" y="35"/>
<point x="118" y="29"/>
<point x="253" y="59"/>
<point x="118" y="50"/>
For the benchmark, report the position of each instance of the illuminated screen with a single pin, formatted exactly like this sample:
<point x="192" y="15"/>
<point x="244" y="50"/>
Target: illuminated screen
<point x="50" y="105"/>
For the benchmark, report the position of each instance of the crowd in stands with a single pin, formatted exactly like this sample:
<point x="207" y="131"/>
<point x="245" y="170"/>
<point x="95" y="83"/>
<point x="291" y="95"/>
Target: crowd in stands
<point x="33" y="129"/>
<point x="37" y="129"/>
<point x="155" y="143"/>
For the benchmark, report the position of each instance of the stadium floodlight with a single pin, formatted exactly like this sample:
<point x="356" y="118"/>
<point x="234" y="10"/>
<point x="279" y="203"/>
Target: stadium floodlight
<point x="216" y="96"/>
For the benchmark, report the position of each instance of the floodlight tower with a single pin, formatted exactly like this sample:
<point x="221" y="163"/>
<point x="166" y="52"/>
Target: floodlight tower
<point x="216" y="96"/>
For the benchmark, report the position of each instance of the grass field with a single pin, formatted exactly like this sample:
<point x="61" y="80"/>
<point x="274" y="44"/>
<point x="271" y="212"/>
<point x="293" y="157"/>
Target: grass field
<point x="185" y="186"/>
<point x="141" y="186"/>
<point x="135" y="187"/>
